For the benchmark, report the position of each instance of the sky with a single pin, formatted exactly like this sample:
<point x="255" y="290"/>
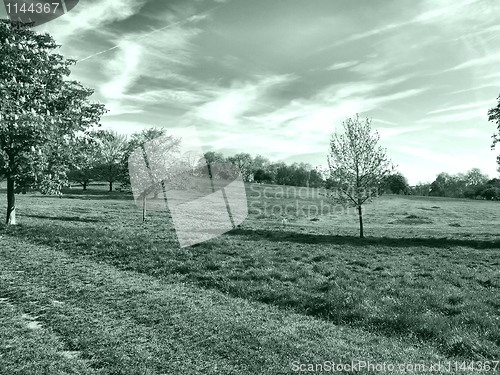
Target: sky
<point x="277" y="78"/>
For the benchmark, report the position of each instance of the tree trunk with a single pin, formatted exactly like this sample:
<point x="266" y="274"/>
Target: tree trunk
<point x="110" y="186"/>
<point x="11" y="202"/>
<point x="360" y="213"/>
<point x="144" y="208"/>
<point x="85" y="185"/>
<point x="210" y="177"/>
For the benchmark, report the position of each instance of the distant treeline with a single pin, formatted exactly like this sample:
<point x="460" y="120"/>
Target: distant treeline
<point x="105" y="158"/>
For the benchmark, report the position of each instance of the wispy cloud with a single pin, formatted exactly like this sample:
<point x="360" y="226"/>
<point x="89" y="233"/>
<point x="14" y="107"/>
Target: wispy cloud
<point x="476" y="88"/>
<point x="428" y="15"/>
<point x="465" y="133"/>
<point x="157" y="56"/>
<point x="92" y="15"/>
<point x="123" y="69"/>
<point x="480" y="61"/>
<point x="461" y="106"/>
<point x="342" y="65"/>
<point x="242" y="97"/>
<point x="394" y="131"/>
<point x="461" y="116"/>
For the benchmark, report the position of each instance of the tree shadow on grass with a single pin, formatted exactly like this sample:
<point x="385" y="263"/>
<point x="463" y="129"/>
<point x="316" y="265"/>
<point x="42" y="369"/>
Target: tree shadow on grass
<point x="36" y="232"/>
<point x="307" y="238"/>
<point x="90" y="195"/>
<point x="66" y="218"/>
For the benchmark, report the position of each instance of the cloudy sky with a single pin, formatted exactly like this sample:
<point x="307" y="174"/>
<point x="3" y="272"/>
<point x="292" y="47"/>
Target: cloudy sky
<point x="277" y="77"/>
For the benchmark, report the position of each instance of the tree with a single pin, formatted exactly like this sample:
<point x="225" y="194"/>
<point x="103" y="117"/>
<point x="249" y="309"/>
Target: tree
<point x="164" y="153"/>
<point x="273" y="171"/>
<point x="438" y="186"/>
<point x="41" y="113"/>
<point x="494" y="116"/>
<point x="85" y="159"/>
<point x="283" y="174"/>
<point x="316" y="178"/>
<point x="491" y="193"/>
<point x="301" y="173"/>
<point x="207" y="163"/>
<point x="446" y="185"/>
<point x="261" y="175"/>
<point x="112" y="148"/>
<point x="358" y="165"/>
<point x="457" y="185"/>
<point x="192" y="160"/>
<point x="397" y="183"/>
<point x="421" y="189"/>
<point x="475" y="177"/>
<point x="261" y="162"/>
<point x="244" y="162"/>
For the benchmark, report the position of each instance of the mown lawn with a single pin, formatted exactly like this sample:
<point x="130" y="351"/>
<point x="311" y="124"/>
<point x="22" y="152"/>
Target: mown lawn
<point x="114" y="295"/>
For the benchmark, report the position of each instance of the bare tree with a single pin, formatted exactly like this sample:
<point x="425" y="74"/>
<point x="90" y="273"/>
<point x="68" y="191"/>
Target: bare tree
<point x="192" y="160"/>
<point x="358" y="165"/>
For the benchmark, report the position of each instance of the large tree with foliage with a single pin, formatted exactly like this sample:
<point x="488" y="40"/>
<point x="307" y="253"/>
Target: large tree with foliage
<point x="244" y="162"/>
<point x="41" y="112"/>
<point x="358" y="165"/>
<point x="85" y="158"/>
<point x="494" y="116"/>
<point x="112" y="147"/>
<point x="397" y="183"/>
<point x="209" y="160"/>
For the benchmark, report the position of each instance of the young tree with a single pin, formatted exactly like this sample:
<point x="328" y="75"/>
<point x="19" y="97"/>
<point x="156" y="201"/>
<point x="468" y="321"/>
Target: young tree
<point x="111" y="151"/>
<point x="192" y="160"/>
<point x="165" y="153"/>
<point x="357" y="164"/>
<point x="40" y="112"/>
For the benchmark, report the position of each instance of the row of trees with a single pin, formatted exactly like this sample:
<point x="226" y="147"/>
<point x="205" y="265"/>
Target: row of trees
<point x="260" y="169"/>
<point x="473" y="184"/>
<point x="98" y="157"/>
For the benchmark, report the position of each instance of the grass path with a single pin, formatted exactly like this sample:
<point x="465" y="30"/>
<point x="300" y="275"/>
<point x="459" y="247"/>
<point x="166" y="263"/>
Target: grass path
<point x="88" y="317"/>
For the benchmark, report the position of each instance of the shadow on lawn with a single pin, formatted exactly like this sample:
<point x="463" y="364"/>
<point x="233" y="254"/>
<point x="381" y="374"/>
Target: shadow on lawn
<point x="89" y="195"/>
<point x="306" y="238"/>
<point x="38" y="233"/>
<point x="66" y="218"/>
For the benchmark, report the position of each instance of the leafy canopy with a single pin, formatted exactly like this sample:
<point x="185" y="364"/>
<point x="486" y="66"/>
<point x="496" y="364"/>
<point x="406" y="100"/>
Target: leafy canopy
<point x="41" y="112"/>
<point x="358" y="165"/>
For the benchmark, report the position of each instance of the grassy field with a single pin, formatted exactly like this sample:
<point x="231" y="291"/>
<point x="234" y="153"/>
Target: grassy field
<point x="87" y="288"/>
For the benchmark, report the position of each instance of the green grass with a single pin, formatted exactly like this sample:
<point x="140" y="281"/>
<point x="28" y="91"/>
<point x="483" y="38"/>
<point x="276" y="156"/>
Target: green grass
<point x="423" y="286"/>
